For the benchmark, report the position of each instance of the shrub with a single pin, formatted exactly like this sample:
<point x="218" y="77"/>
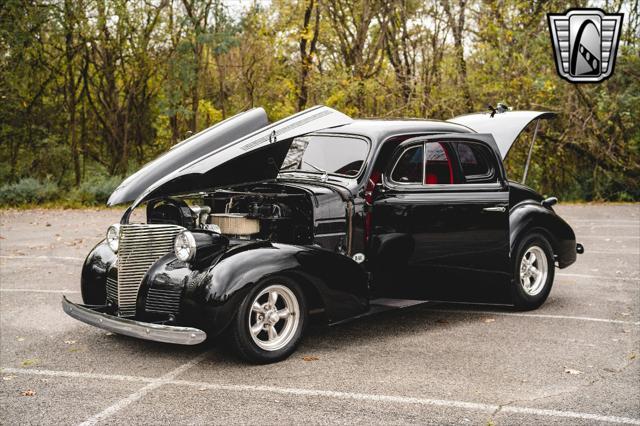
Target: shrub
<point x="96" y="189"/>
<point x="28" y="191"/>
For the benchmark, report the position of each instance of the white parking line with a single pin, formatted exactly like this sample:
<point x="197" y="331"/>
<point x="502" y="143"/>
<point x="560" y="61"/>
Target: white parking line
<point x="550" y="316"/>
<point x="596" y="277"/>
<point x="605" y="221"/>
<point x="168" y="379"/>
<point x="608" y="237"/>
<point x="606" y="225"/>
<point x="41" y="257"/>
<point x="37" y="290"/>
<point x="109" y="411"/>
<point x="464" y="311"/>
<point x="618" y="252"/>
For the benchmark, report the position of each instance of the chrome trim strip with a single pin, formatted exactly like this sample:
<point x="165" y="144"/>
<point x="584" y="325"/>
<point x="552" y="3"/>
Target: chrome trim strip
<point x="141" y="330"/>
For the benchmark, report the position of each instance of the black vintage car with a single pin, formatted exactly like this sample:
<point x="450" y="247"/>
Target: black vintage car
<point x="251" y="227"/>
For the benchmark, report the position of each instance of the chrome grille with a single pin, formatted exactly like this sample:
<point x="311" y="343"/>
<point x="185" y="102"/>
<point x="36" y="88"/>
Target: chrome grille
<point x="163" y="301"/>
<point x="141" y="245"/>
<point x="112" y="290"/>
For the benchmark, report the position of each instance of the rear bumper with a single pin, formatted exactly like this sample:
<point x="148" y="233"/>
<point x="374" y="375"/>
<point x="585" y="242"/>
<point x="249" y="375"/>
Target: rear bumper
<point x="127" y="327"/>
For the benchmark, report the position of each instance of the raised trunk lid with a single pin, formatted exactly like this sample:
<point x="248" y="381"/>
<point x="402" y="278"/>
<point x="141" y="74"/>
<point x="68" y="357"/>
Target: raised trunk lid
<point x="505" y="127"/>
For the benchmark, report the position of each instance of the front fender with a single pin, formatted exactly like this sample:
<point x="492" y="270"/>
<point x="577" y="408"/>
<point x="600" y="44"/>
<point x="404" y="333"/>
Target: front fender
<point x="211" y="295"/>
<point x="530" y="215"/>
<point x="93" y="279"/>
<point x="340" y="283"/>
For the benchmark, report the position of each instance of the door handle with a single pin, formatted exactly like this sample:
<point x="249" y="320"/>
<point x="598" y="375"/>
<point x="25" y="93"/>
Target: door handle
<point x="495" y="209"/>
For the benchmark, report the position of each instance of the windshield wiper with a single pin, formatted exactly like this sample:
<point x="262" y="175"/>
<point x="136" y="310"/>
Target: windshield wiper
<point x="325" y="174"/>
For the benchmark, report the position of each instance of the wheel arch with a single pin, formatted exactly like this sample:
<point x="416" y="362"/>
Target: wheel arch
<point x="529" y="217"/>
<point x="330" y="281"/>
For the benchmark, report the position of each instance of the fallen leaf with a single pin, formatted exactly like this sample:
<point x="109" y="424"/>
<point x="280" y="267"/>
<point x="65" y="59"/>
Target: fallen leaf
<point x="70" y="342"/>
<point x="108" y="333"/>
<point x="28" y="392"/>
<point x="7" y="378"/>
<point x="572" y="371"/>
<point x="28" y="362"/>
<point x="632" y="356"/>
<point x="48" y="224"/>
<point x="490" y="320"/>
<point x="20" y="339"/>
<point x="310" y="358"/>
<point x="442" y="321"/>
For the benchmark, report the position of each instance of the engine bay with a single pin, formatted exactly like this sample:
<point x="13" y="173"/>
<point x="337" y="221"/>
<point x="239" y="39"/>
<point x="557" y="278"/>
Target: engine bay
<point x="263" y="212"/>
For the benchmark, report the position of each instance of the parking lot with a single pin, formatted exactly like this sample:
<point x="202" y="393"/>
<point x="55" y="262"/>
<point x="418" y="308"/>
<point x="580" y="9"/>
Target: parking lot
<point x="576" y="360"/>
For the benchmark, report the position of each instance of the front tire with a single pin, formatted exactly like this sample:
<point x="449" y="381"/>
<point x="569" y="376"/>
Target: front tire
<point x="533" y="272"/>
<point x="270" y="321"/>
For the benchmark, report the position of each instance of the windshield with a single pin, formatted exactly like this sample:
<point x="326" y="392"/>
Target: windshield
<point x="338" y="155"/>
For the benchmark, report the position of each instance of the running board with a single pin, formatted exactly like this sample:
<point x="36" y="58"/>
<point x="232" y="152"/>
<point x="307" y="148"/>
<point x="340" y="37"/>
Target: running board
<point x="377" y="306"/>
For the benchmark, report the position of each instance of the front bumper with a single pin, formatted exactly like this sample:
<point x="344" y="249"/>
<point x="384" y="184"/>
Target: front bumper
<point x="141" y="330"/>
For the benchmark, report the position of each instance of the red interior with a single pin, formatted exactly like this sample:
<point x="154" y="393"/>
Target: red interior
<point x="437" y="171"/>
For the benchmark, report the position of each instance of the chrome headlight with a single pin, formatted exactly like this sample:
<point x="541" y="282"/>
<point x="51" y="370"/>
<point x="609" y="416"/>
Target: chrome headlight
<point x="113" y="237"/>
<point x="185" y="246"/>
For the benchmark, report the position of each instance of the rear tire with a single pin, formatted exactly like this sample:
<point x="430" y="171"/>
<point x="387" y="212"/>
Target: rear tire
<point x="533" y="272"/>
<point x="270" y="321"/>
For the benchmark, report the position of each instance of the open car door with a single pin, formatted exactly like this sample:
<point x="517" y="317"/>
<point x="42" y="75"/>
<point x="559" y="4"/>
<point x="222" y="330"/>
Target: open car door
<point x="504" y="126"/>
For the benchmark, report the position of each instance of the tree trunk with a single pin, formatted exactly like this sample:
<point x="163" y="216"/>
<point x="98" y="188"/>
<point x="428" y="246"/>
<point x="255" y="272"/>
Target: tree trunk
<point x="306" y="57"/>
<point x="456" y="23"/>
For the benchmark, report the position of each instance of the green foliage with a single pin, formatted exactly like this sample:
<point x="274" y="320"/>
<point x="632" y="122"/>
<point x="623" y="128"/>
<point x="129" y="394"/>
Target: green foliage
<point x="96" y="190"/>
<point x="91" y="90"/>
<point x="28" y="191"/>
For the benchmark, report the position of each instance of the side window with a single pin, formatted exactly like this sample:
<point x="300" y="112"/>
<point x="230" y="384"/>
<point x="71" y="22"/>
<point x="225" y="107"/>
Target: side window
<point x="475" y="163"/>
<point x="408" y="168"/>
<point x="437" y="168"/>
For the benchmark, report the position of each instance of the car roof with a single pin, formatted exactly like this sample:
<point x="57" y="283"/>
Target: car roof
<point x="378" y="130"/>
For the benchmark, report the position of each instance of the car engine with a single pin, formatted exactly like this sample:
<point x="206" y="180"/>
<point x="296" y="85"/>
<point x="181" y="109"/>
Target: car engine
<point x="276" y="214"/>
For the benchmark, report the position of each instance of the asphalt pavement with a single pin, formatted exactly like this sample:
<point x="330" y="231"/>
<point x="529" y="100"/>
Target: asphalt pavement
<point x="576" y="360"/>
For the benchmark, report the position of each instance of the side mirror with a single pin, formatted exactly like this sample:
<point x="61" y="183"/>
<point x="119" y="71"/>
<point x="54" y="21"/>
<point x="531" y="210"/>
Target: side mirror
<point x="548" y="202"/>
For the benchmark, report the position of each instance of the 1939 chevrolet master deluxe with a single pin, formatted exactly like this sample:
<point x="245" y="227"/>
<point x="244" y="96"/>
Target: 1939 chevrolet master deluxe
<point x="251" y="226"/>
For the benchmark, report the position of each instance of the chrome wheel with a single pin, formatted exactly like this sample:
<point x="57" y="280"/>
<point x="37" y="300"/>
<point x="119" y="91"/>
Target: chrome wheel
<point x="274" y="317"/>
<point x="534" y="269"/>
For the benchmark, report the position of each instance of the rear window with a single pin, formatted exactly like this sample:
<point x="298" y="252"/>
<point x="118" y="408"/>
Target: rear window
<point x="474" y="162"/>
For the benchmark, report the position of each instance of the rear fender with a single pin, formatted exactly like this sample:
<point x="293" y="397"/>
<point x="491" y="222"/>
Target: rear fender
<point x="531" y="216"/>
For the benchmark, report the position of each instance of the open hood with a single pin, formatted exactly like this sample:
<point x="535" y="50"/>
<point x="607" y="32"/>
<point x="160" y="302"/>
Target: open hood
<point x="504" y="126"/>
<point x="185" y="152"/>
<point x="256" y="156"/>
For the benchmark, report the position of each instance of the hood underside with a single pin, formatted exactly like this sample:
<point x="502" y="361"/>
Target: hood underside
<point x="241" y="149"/>
<point x="211" y="139"/>
<point x="505" y="127"/>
